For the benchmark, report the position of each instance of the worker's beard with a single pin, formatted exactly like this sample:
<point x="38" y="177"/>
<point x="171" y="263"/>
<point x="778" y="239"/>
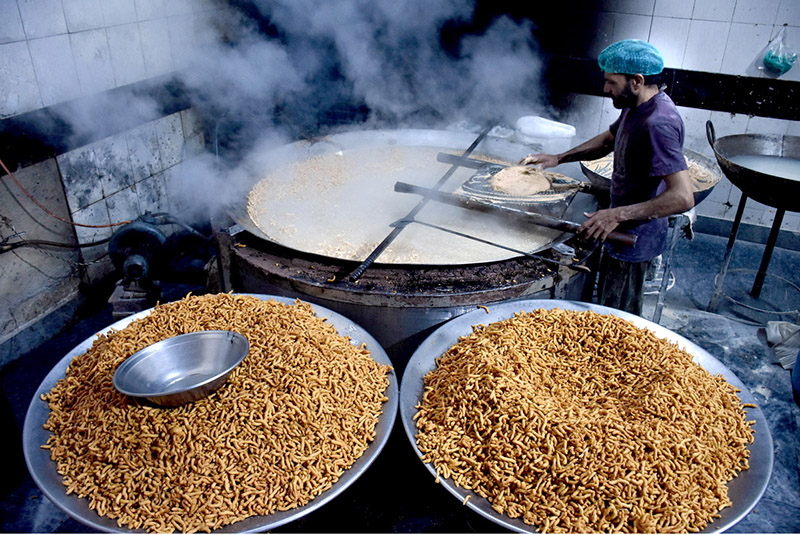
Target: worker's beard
<point x="626" y="99"/>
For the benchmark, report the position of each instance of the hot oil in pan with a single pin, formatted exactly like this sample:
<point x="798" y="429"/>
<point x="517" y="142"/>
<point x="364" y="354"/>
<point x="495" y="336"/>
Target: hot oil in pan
<point x="778" y="166"/>
<point x="341" y="204"/>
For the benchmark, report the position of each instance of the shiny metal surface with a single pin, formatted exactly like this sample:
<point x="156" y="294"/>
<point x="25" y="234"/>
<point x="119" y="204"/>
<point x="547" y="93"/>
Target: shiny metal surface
<point x="44" y="474"/>
<point x="601" y="176"/>
<point x="183" y="368"/>
<point x="744" y="490"/>
<point x="775" y="191"/>
<point x="365" y="206"/>
<point x="703" y="189"/>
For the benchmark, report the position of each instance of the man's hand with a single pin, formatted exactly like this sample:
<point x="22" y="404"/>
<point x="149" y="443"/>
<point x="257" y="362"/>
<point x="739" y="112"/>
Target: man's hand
<point x="543" y="160"/>
<point x="675" y="199"/>
<point x="601" y="223"/>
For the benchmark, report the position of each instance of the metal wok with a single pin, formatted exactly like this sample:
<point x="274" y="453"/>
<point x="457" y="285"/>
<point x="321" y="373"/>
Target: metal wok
<point x="775" y="191"/>
<point x="599" y="173"/>
<point x="356" y="209"/>
<point x="778" y="192"/>
<point x="397" y="302"/>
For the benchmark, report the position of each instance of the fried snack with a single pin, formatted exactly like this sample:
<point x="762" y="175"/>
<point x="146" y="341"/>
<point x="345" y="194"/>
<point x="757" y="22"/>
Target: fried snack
<point x="700" y="176"/>
<point x="581" y="422"/>
<point x="298" y="411"/>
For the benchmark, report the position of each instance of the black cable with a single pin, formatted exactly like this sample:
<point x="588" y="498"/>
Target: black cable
<point x="6" y="247"/>
<point x="160" y="218"/>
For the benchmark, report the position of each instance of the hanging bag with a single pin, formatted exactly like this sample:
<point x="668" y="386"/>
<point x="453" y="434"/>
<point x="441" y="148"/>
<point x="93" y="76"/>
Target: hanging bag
<point x="778" y="55"/>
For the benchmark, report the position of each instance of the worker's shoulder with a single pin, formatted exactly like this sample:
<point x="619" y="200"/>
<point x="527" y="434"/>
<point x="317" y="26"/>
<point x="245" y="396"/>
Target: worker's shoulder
<point x="665" y="106"/>
<point x="664" y="114"/>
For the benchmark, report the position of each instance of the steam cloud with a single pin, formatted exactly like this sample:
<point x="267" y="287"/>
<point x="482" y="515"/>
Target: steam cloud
<point x="388" y="55"/>
<point x="267" y="72"/>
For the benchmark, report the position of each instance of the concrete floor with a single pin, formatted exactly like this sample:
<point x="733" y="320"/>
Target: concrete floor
<point x="397" y="494"/>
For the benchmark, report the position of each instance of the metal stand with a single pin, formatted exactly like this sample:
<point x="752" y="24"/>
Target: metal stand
<point x="755" y="292"/>
<point x="677" y="222"/>
<point x="128" y="299"/>
<point x="762" y="269"/>
<point x="712" y="304"/>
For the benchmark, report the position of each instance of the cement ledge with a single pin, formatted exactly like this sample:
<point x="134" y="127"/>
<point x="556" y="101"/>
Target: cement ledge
<point x="40" y="329"/>
<point x="787" y="239"/>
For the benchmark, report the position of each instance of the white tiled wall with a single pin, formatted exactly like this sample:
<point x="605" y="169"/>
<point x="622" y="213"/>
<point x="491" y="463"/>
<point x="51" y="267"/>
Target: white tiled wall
<point x="10" y="22"/>
<point x="719" y="36"/>
<point x="20" y="90"/>
<point x="723" y="36"/>
<point x="127" y="58"/>
<point x="155" y="47"/>
<point x="674" y="8"/>
<point x="52" y="51"/>
<point x="705" y="45"/>
<point x="718" y="10"/>
<point x="92" y="61"/>
<point x="83" y="15"/>
<point x="125" y="175"/>
<point x="55" y="69"/>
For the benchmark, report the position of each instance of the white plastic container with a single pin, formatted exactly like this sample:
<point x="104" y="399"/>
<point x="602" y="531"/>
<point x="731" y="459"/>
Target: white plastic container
<point x="552" y="136"/>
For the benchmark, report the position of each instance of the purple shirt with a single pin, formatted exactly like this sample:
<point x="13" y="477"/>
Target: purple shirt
<point x="648" y="144"/>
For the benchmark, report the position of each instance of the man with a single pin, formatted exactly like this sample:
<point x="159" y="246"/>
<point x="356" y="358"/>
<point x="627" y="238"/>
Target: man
<point x="650" y="180"/>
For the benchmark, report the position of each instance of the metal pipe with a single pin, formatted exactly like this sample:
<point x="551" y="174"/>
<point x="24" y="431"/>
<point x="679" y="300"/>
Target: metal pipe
<point x="677" y="223"/>
<point x="712" y="304"/>
<point x="405" y="222"/>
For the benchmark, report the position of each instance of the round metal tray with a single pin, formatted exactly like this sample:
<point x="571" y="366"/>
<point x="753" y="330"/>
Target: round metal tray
<point x="43" y="470"/>
<point x="744" y="491"/>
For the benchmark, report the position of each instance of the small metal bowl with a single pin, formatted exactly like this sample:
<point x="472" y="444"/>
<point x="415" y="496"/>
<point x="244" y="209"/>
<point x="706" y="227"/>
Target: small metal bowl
<point x="183" y="368"/>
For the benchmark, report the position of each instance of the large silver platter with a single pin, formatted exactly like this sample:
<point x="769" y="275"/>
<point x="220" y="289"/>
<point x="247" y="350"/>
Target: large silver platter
<point x="43" y="470"/>
<point x="744" y="491"/>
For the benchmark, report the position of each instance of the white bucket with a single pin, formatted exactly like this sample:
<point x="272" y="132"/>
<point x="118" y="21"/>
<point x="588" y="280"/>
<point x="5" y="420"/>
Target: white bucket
<point x="554" y="137"/>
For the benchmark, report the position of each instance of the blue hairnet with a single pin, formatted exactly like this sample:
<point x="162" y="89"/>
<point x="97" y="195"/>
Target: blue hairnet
<point x="631" y="56"/>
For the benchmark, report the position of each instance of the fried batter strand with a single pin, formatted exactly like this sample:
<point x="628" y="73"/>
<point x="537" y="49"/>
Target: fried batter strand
<point x="581" y="422"/>
<point x="297" y="413"/>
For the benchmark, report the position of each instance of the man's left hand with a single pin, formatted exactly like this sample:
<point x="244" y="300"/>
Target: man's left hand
<point x="601" y="223"/>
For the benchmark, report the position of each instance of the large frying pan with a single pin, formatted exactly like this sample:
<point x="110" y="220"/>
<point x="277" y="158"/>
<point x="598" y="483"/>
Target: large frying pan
<point x="311" y="226"/>
<point x="599" y="173"/>
<point x="775" y="191"/>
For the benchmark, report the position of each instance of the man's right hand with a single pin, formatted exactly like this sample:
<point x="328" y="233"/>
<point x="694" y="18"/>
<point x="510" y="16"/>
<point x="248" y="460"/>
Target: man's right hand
<point x="602" y="222"/>
<point x="543" y="160"/>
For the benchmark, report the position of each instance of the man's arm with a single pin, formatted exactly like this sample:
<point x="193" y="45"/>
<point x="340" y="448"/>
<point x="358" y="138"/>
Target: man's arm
<point x="597" y="147"/>
<point x="677" y="198"/>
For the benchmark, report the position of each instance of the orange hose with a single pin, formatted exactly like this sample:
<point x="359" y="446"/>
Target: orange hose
<point x="48" y="212"/>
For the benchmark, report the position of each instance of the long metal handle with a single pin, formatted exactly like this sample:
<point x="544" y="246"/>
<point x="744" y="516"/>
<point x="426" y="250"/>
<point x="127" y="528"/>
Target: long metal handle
<point x="471" y="163"/>
<point x="577" y="267"/>
<point x="710" y="134"/>
<point x="356" y="273"/>
<point x="530" y="217"/>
